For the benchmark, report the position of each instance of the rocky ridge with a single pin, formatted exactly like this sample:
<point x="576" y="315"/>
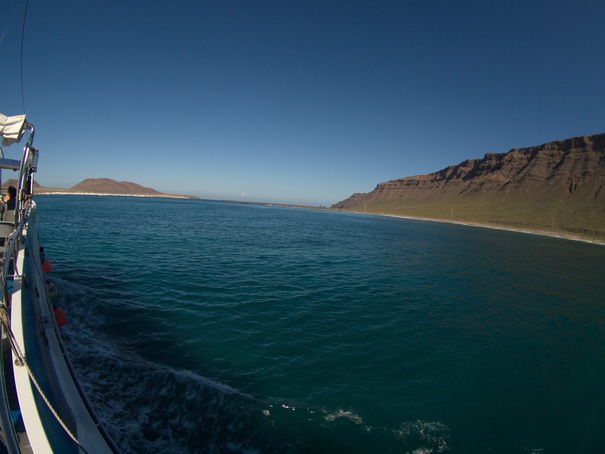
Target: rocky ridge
<point x="561" y="179"/>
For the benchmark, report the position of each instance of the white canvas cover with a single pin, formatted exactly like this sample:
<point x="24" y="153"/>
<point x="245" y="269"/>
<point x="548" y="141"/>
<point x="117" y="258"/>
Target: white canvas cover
<point x="11" y="129"/>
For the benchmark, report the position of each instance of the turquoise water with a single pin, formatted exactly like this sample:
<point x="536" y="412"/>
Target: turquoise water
<point x="200" y="326"/>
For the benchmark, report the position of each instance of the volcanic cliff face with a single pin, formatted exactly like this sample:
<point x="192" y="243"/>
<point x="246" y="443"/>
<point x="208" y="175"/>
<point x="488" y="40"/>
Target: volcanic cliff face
<point x="560" y="168"/>
<point x="557" y="187"/>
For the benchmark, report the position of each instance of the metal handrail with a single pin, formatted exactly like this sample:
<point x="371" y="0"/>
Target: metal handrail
<point x="24" y="212"/>
<point x="9" y="436"/>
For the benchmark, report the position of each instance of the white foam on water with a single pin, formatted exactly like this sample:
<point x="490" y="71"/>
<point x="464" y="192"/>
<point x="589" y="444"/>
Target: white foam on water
<point x="223" y="388"/>
<point x="351" y="416"/>
<point x="432" y="436"/>
<point x="344" y="414"/>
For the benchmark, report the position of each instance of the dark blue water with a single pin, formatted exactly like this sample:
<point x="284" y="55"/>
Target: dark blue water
<point x="201" y="326"/>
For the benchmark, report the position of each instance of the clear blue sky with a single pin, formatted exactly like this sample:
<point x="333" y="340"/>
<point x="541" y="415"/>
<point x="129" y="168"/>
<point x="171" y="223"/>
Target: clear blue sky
<point x="298" y="101"/>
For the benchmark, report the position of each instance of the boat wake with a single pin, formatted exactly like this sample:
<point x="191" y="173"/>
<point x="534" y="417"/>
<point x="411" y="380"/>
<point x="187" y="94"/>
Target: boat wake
<point x="150" y="407"/>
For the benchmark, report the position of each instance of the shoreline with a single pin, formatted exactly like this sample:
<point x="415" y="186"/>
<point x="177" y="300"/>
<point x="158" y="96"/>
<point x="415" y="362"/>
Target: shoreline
<point x="161" y="195"/>
<point x="562" y="236"/>
<point x="538" y="232"/>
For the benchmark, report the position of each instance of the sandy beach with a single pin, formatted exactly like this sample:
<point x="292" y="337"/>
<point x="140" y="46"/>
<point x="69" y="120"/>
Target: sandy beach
<point x="497" y="227"/>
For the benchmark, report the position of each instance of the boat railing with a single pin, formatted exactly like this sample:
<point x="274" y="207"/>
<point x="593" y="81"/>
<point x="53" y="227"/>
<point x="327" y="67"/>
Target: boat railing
<point x="16" y="236"/>
<point x="13" y="239"/>
<point x="9" y="270"/>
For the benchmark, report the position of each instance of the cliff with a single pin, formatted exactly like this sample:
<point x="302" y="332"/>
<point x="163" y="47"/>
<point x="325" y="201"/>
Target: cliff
<point x="556" y="186"/>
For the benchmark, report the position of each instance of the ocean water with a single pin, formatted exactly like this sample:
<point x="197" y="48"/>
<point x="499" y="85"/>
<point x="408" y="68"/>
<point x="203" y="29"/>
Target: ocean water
<point x="210" y="327"/>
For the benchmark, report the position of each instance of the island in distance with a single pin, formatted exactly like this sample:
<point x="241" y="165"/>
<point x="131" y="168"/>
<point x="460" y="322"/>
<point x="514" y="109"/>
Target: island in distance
<point x="556" y="188"/>
<point x="103" y="186"/>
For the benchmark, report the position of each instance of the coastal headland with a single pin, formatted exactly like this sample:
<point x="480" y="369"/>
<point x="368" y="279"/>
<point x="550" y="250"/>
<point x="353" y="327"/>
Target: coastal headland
<point x="556" y="189"/>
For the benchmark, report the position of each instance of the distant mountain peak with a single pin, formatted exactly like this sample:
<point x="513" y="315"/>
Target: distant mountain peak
<point x="109" y="186"/>
<point x="103" y="186"/>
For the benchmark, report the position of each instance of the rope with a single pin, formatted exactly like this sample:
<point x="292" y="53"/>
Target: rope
<point x="22" y="362"/>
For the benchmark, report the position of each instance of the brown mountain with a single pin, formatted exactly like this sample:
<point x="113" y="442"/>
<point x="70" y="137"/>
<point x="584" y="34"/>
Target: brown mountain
<point x="557" y="186"/>
<point x="13" y="182"/>
<point x="109" y="186"/>
<point x="102" y="186"/>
